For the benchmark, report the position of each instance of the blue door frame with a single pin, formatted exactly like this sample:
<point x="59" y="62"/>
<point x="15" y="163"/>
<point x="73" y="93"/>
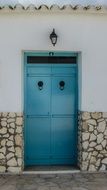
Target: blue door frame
<point x="32" y="72"/>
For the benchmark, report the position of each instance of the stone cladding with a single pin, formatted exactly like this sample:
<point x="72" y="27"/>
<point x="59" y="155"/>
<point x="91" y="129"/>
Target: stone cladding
<point x="92" y="141"/>
<point x="11" y="142"/>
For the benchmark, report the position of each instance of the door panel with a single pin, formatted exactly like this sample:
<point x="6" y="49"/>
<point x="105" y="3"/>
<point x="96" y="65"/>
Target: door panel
<point x="38" y="98"/>
<point x="38" y="140"/>
<point x="40" y="69"/>
<point x="63" y="98"/>
<point x="63" y="139"/>
<point x="63" y="69"/>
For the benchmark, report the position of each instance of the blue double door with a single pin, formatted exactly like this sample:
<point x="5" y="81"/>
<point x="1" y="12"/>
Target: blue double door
<point x="51" y="114"/>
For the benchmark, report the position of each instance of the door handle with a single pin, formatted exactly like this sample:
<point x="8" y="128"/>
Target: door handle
<point x="61" y="85"/>
<point x="40" y="85"/>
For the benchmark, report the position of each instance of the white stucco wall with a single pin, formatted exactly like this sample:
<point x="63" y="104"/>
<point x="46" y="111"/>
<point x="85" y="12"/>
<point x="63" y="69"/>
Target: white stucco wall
<point x="82" y="33"/>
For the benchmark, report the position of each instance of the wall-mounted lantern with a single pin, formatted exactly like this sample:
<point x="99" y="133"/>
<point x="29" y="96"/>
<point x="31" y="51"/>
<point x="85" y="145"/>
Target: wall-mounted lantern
<point x="53" y="37"/>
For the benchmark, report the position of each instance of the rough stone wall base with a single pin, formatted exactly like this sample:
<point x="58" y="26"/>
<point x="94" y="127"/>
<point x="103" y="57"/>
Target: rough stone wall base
<point x="11" y="142"/>
<point x="92" y="141"/>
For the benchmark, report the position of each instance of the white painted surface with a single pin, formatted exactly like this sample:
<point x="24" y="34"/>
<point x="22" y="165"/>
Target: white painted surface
<point x="83" y="33"/>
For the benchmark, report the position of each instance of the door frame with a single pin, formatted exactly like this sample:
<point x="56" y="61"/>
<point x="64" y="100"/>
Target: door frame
<point x="48" y="53"/>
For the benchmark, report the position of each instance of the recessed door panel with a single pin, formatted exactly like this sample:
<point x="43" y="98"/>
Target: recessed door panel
<point x="63" y="136"/>
<point x="63" y="69"/>
<point x="63" y="139"/>
<point x="63" y="95"/>
<point x="38" y="140"/>
<point x="40" y="69"/>
<point x="38" y="95"/>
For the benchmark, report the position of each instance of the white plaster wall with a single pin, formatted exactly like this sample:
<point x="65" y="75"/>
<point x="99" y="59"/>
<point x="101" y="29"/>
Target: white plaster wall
<point x="83" y="33"/>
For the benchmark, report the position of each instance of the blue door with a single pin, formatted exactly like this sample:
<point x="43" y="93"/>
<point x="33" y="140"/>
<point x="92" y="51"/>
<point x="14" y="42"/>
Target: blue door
<point x="50" y="112"/>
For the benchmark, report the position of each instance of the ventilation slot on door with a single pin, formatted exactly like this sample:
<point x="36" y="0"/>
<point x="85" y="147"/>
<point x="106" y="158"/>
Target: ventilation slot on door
<point x="49" y="60"/>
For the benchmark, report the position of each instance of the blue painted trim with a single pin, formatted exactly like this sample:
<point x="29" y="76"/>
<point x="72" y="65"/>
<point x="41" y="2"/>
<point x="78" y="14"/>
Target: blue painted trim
<point x="25" y="72"/>
<point x="46" y="53"/>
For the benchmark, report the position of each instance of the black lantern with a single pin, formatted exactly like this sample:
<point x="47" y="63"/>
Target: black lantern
<point x="53" y="37"/>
